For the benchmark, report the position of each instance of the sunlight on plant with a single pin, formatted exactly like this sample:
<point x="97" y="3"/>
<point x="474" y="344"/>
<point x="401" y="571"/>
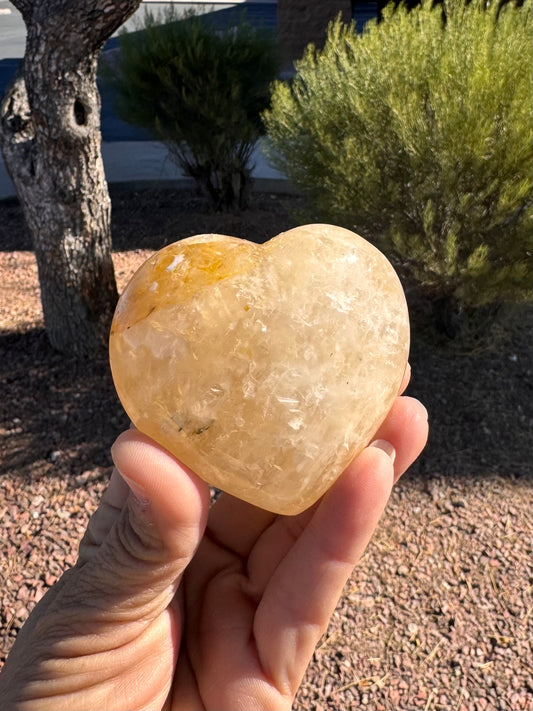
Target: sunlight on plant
<point x="418" y="135"/>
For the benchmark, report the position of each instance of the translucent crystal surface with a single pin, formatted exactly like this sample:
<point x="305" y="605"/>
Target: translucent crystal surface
<point x="264" y="368"/>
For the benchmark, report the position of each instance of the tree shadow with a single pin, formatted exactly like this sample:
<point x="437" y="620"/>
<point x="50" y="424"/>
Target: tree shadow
<point x="152" y="217"/>
<point x="58" y="415"/>
<point x="480" y="401"/>
<point x="14" y="233"/>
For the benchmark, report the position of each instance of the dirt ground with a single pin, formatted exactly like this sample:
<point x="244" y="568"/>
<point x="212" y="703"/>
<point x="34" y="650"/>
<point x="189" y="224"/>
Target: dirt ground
<point x="438" y="615"/>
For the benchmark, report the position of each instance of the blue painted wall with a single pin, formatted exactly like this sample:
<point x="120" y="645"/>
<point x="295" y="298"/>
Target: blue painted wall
<point x="258" y="14"/>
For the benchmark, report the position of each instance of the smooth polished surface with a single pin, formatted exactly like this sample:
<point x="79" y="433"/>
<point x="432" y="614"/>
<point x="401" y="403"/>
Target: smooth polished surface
<point x="264" y="368"/>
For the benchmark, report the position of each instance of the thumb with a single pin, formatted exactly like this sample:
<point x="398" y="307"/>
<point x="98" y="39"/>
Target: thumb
<point x="135" y="555"/>
<point x="168" y="503"/>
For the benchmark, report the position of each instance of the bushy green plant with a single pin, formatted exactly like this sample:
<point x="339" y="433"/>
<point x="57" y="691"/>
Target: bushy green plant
<point x="418" y="135"/>
<point x="200" y="90"/>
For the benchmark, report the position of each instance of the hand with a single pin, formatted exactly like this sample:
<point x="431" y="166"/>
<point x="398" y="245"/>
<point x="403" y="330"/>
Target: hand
<point x="175" y="606"/>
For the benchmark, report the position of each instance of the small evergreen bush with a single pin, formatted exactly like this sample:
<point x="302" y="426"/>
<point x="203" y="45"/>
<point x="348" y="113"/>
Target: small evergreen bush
<point x="418" y="135"/>
<point x="199" y="90"/>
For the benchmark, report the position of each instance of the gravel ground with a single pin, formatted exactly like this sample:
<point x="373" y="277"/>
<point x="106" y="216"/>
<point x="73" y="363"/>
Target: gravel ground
<point x="437" y="615"/>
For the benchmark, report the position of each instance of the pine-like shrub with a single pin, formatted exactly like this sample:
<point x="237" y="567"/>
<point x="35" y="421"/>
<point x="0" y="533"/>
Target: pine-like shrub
<point x="201" y="91"/>
<point x="418" y="135"/>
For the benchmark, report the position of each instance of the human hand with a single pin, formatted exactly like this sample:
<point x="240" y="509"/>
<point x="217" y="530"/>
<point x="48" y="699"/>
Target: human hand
<point x="173" y="605"/>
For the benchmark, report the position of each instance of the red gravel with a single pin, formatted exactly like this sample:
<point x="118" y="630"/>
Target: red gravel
<point x="438" y="614"/>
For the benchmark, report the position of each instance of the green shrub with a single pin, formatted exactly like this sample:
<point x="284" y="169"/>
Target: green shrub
<point x="418" y="135"/>
<point x="199" y="90"/>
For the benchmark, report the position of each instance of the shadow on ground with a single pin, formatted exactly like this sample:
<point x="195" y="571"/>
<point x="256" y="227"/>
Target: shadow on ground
<point x="57" y="415"/>
<point x="60" y="416"/>
<point x="150" y="218"/>
<point x="479" y="398"/>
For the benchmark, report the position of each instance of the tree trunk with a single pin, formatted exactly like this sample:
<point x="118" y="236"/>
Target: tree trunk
<point x="50" y="138"/>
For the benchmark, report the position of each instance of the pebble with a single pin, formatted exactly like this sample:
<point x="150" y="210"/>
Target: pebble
<point x="401" y="627"/>
<point x="447" y="635"/>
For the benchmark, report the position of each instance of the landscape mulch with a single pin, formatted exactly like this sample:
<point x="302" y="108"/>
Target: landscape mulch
<point x="438" y="615"/>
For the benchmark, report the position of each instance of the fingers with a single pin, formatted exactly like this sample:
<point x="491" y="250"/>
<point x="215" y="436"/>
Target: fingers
<point x="275" y="540"/>
<point x="166" y="497"/>
<point x="305" y="587"/>
<point x="237" y="525"/>
<point x="406" y="428"/>
<point x="302" y="586"/>
<point x="149" y="475"/>
<point x="105" y="517"/>
<point x="132" y="576"/>
<point x="145" y="533"/>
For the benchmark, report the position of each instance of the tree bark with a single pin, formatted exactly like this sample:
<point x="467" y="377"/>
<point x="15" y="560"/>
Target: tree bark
<point x="51" y="142"/>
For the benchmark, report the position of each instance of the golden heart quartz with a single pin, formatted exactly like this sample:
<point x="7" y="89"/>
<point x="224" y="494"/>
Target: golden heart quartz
<point x="264" y="368"/>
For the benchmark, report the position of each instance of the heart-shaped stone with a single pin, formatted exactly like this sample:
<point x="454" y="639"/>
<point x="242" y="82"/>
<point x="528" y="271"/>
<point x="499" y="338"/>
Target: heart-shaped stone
<point x="264" y="368"/>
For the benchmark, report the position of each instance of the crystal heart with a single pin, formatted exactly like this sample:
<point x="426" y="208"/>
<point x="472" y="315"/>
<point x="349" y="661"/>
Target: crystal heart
<point x="264" y="368"/>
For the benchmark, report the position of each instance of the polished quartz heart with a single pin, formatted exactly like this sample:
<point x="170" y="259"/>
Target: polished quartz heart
<point x="264" y="368"/>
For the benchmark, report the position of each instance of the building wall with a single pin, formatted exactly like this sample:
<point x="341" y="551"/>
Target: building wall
<point x="304" y="21"/>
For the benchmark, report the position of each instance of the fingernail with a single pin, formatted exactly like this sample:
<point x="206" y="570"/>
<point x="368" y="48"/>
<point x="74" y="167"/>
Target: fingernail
<point x="385" y="446"/>
<point x="136" y="489"/>
<point x="424" y="410"/>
